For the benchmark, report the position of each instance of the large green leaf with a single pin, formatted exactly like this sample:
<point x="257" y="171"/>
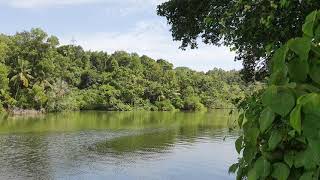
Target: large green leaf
<point x="263" y="167"/>
<point x="280" y="99"/>
<point x="233" y="168"/>
<point x="279" y="77"/>
<point x="280" y="171"/>
<point x="266" y="118"/>
<point x="315" y="71"/>
<point x="279" y="68"/>
<point x="307" y="176"/>
<point x="308" y="88"/>
<point x="274" y="140"/>
<point x="253" y="175"/>
<point x="238" y="144"/>
<point x="279" y="58"/>
<point x="309" y="24"/>
<point x="311" y="126"/>
<point x="307" y="98"/>
<point x="301" y="46"/>
<point x="311" y="104"/>
<point x="295" y="118"/>
<point x="251" y="135"/>
<point x="315" y="147"/>
<point x="305" y="159"/>
<point x="298" y="70"/>
<point x="249" y="153"/>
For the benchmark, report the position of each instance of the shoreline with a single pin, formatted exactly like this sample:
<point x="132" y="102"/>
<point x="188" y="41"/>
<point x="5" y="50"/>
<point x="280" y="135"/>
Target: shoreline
<point x="33" y="112"/>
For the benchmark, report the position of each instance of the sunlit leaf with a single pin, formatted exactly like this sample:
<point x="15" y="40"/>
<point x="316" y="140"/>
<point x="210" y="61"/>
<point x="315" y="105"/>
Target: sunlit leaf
<point x="295" y="118"/>
<point x="308" y="26"/>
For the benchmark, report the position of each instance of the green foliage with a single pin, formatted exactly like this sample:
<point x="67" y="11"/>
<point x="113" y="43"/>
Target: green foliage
<point x="165" y="105"/>
<point x="281" y="126"/>
<point x="193" y="103"/>
<point x="37" y="73"/>
<point x="254" y="29"/>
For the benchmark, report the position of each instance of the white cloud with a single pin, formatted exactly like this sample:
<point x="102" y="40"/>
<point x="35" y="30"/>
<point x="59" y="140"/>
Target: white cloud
<point x="149" y="36"/>
<point x="55" y="3"/>
<point x="44" y="3"/>
<point x="153" y="38"/>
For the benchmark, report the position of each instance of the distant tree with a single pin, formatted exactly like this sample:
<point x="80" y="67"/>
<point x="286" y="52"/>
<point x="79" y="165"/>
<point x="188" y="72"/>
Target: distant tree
<point x="21" y="76"/>
<point x="44" y="75"/>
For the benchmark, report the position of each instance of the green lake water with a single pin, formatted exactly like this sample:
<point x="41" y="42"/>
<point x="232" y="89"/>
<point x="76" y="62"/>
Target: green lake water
<point x="117" y="146"/>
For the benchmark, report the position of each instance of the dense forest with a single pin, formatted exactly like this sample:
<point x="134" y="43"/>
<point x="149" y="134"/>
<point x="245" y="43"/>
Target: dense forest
<point x="38" y="73"/>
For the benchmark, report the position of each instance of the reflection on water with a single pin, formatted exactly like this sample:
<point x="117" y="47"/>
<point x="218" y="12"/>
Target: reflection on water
<point x="117" y="145"/>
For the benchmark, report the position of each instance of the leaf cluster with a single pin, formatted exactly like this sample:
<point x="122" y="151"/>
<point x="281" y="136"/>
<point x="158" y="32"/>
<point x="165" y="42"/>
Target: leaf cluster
<point x="281" y="138"/>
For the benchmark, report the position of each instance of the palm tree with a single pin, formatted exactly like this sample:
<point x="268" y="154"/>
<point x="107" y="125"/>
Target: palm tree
<point x="22" y="75"/>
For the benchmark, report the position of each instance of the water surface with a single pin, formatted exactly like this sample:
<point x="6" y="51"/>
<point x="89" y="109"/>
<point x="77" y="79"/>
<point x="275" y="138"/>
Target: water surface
<point x="117" y="146"/>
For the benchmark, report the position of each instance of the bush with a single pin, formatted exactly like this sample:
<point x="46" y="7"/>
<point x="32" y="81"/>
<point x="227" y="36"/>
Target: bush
<point x="193" y="103"/>
<point x="281" y="138"/>
<point x="118" y="105"/>
<point x="165" y="105"/>
<point x="68" y="102"/>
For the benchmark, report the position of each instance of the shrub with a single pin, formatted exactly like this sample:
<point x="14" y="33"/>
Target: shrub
<point x="193" y="103"/>
<point x="165" y="105"/>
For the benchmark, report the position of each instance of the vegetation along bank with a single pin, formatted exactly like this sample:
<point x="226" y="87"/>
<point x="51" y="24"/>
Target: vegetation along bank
<point x="37" y="73"/>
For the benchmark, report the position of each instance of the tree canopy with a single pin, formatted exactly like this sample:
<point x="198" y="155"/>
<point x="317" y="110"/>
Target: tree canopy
<point x="38" y="73"/>
<point x="254" y="29"/>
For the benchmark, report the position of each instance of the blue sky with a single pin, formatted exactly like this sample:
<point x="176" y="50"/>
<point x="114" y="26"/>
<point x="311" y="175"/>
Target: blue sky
<point x="110" y="25"/>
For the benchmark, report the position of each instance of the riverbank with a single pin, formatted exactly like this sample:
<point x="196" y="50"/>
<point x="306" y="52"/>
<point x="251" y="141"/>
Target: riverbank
<point x="33" y="112"/>
<point x="22" y="112"/>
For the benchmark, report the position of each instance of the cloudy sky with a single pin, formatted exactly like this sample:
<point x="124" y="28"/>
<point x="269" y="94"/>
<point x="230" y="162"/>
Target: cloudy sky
<point x="110" y="25"/>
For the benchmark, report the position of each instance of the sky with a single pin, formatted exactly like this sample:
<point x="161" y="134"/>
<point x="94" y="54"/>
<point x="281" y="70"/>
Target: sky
<point x="111" y="25"/>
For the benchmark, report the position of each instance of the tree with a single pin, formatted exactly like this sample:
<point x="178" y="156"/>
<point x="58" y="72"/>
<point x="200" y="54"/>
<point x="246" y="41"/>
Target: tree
<point x="4" y="81"/>
<point x="254" y="29"/>
<point x="21" y="76"/>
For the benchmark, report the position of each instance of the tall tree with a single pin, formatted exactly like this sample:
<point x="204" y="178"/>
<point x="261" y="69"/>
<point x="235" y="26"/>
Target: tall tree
<point x="22" y="76"/>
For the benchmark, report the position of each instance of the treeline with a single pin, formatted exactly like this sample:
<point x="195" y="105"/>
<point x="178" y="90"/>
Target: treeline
<point x="37" y="73"/>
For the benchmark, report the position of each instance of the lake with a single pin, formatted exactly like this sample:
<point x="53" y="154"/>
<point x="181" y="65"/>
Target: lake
<point x="117" y="146"/>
